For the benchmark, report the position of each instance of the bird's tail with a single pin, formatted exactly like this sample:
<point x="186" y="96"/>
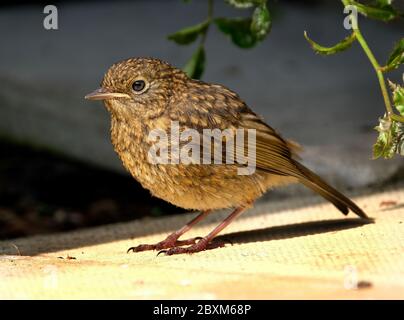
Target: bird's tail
<point x="314" y="182"/>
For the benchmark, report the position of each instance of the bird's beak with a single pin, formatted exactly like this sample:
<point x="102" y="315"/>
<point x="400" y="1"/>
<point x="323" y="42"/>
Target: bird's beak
<point x="103" y="94"/>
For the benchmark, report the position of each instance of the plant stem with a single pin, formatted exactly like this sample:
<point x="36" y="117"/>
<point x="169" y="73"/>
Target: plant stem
<point x="209" y="20"/>
<point x="397" y="117"/>
<point x="210" y="10"/>
<point x="375" y="64"/>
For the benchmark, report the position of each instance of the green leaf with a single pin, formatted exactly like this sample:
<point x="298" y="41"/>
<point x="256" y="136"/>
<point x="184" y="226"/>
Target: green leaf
<point x="242" y="4"/>
<point x="189" y="34"/>
<point x="381" y="10"/>
<point x="382" y="3"/>
<point x="398" y="97"/>
<point x="396" y="57"/>
<point x="239" y="30"/>
<point x="196" y="65"/>
<point x="340" y="46"/>
<point x="385" y="145"/>
<point x="398" y="52"/>
<point x="261" y="22"/>
<point x="400" y="138"/>
<point x="391" y="133"/>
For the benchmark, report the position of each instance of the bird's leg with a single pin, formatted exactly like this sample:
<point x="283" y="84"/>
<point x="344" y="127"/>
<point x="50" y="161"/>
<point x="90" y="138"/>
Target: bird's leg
<point x="172" y="239"/>
<point x="206" y="242"/>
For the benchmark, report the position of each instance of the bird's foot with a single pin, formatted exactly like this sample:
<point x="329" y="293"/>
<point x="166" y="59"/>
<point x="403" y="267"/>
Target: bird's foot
<point x="202" y="245"/>
<point x="170" y="242"/>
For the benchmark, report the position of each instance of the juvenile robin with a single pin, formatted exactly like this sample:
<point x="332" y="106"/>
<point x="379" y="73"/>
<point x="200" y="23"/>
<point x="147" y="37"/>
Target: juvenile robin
<point x="144" y="94"/>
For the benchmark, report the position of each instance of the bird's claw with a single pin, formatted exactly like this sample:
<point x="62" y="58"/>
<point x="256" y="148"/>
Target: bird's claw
<point x="168" y="243"/>
<point x="161" y="252"/>
<point x="201" y="245"/>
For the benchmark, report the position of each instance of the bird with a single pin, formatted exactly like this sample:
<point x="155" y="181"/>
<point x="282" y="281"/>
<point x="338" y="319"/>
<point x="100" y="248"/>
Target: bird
<point x="145" y="95"/>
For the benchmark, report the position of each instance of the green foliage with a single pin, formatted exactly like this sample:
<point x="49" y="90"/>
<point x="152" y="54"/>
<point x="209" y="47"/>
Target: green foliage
<point x="400" y="139"/>
<point x="379" y="10"/>
<point x="242" y="4"/>
<point x="398" y="97"/>
<point x="384" y="146"/>
<point x="383" y="3"/>
<point x="396" y="57"/>
<point x="195" y="66"/>
<point x="189" y="34"/>
<point x="247" y="32"/>
<point x="244" y="32"/>
<point x="340" y="46"/>
<point x="391" y="133"/>
<point x="239" y="30"/>
<point x="391" y="127"/>
<point x="261" y="22"/>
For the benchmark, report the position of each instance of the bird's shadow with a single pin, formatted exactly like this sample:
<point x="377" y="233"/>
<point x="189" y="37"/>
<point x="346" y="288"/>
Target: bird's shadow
<point x="293" y="230"/>
<point x="393" y="207"/>
<point x="33" y="248"/>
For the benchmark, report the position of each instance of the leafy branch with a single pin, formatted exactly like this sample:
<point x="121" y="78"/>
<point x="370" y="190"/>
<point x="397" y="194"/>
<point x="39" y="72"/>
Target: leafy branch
<point x="391" y="126"/>
<point x="243" y="32"/>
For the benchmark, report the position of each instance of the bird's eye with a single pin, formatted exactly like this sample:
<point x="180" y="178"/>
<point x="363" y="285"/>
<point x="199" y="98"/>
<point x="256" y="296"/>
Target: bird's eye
<point x="138" y="85"/>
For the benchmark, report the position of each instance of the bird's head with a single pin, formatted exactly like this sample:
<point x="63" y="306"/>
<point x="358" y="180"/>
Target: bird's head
<point x="138" y="87"/>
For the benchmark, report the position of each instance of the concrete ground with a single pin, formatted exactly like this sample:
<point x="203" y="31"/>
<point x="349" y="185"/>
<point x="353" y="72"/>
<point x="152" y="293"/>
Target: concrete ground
<point x="327" y="104"/>
<point x="303" y="249"/>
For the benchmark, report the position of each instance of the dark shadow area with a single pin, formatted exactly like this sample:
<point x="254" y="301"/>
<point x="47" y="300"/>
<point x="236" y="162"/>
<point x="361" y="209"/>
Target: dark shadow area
<point x="393" y="207"/>
<point x="113" y="233"/>
<point x="293" y="230"/>
<point x="42" y="192"/>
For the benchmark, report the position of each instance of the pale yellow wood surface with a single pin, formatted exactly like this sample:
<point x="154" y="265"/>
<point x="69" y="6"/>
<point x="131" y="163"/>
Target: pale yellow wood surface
<point x="288" y="249"/>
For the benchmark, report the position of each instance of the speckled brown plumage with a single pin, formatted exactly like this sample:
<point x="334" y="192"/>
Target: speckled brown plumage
<point x="169" y="95"/>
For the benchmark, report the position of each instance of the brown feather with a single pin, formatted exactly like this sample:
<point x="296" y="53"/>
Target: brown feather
<point x="276" y="155"/>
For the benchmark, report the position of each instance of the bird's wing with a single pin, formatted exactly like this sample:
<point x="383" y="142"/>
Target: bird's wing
<point x="273" y="153"/>
<point x="217" y="107"/>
